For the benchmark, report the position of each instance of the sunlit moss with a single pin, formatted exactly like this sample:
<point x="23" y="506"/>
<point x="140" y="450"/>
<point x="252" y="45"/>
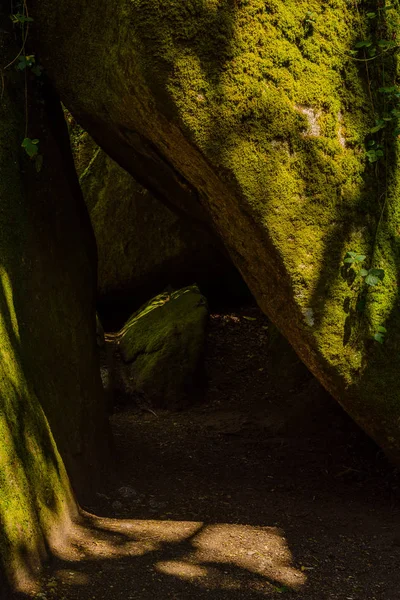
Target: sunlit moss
<point x="260" y="106"/>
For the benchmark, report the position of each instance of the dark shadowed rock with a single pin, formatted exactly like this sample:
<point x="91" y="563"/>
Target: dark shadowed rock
<point x="142" y="245"/>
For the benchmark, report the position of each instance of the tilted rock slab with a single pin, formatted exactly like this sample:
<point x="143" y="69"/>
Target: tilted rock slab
<point x="142" y="245"/>
<point x="254" y="115"/>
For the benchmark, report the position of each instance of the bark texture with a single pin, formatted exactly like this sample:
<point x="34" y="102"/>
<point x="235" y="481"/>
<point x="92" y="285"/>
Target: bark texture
<point x="51" y="402"/>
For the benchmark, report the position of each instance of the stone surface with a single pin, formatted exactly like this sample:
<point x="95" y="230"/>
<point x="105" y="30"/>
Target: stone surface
<point x="160" y="350"/>
<point x="254" y="117"/>
<point x="142" y="245"/>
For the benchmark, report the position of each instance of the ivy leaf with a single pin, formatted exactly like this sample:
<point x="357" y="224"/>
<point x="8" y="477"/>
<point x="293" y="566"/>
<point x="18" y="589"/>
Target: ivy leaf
<point x="20" y="18"/>
<point x="363" y="44"/>
<point x="30" y="147"/>
<point x="373" y="155"/>
<point x="25" y="62"/>
<point x="379" y="125"/>
<point x="374" y="276"/>
<point x="354" y="257"/>
<point x="363" y="272"/>
<point x="387" y="90"/>
<point x="382" y="329"/>
<point x="386" y="43"/>
<point x="379" y="337"/>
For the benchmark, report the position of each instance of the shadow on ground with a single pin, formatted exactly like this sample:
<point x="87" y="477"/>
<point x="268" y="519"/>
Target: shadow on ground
<point x="265" y="489"/>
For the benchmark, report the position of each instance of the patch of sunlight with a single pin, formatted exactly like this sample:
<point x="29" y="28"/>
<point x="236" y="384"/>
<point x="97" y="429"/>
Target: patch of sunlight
<point x="100" y="538"/>
<point x="182" y="569"/>
<point x="156" y="302"/>
<point x="9" y="298"/>
<point x="215" y="556"/>
<point x="259" y="550"/>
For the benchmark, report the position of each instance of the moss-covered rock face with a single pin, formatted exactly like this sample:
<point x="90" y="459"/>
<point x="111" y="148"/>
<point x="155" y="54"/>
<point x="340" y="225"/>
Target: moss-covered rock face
<point x="142" y="245"/>
<point x="257" y="109"/>
<point x="161" y="349"/>
<point x="51" y="409"/>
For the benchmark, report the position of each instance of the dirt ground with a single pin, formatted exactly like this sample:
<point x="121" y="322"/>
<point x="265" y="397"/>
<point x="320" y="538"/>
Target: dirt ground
<point x="265" y="489"/>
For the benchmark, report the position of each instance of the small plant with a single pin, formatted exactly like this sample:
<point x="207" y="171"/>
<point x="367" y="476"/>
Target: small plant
<point x="31" y="147"/>
<point x="25" y="62"/>
<point x="353" y="262"/>
<point x="380" y="334"/>
<point x="372" y="277"/>
<point x="309" y="22"/>
<point x="29" y="62"/>
<point x="375" y="151"/>
<point x="20" y="19"/>
<point x="352" y="258"/>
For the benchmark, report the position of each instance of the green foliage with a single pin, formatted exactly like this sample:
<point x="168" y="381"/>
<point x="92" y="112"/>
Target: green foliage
<point x="353" y="257"/>
<point x="29" y="62"/>
<point x="31" y="147"/>
<point x="25" y="62"/>
<point x="282" y="589"/>
<point x="380" y="334"/>
<point x="375" y="151"/>
<point x="309" y="22"/>
<point x="372" y="276"/>
<point x="20" y="19"/>
<point x="379" y="43"/>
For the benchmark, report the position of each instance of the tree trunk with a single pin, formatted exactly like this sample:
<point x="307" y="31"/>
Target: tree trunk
<point x="52" y="406"/>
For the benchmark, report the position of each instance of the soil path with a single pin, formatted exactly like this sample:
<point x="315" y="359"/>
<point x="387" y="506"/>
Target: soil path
<point x="266" y="489"/>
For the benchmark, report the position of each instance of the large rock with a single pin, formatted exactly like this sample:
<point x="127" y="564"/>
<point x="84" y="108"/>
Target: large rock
<point x="142" y="245"/>
<point x="254" y="115"/>
<point x="160" y="350"/>
<point x="52" y="409"/>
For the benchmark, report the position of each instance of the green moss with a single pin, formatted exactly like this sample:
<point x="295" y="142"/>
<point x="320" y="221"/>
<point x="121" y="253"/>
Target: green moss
<point x="162" y="344"/>
<point x="36" y="501"/>
<point x="267" y="119"/>
<point x="240" y="80"/>
<point x="271" y="104"/>
<point x="51" y="396"/>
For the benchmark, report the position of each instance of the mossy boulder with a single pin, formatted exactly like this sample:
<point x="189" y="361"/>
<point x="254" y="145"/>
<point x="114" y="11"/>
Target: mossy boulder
<point x="160" y="350"/>
<point x="52" y="411"/>
<point x="142" y="245"/>
<point x="253" y="114"/>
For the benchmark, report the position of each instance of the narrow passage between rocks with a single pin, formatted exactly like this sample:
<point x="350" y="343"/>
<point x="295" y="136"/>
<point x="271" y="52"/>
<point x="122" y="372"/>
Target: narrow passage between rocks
<point x="264" y="489"/>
